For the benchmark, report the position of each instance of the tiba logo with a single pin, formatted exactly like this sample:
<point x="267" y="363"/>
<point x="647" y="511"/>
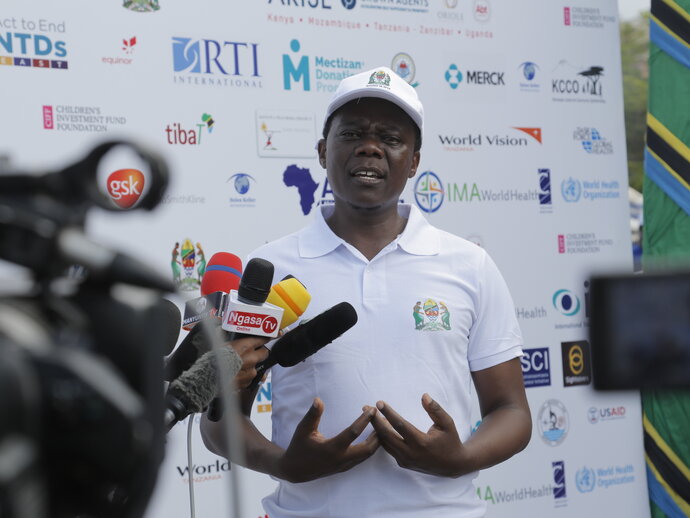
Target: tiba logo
<point x="431" y="316"/>
<point x="188" y="265"/>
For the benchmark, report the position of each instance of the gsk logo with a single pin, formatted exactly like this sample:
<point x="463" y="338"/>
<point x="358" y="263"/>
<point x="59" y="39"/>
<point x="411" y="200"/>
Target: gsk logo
<point x="125" y="187"/>
<point x="296" y="72"/>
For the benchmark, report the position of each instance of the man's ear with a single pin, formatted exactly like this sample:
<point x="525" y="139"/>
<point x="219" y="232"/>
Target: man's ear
<point x="415" y="163"/>
<point x="321" y="148"/>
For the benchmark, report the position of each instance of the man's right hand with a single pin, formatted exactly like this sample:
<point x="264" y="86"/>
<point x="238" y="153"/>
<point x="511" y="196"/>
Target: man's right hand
<point x="310" y="455"/>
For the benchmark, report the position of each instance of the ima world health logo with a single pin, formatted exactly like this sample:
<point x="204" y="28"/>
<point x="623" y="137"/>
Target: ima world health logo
<point x="33" y="43"/>
<point x="428" y="192"/>
<point x="211" y="62"/>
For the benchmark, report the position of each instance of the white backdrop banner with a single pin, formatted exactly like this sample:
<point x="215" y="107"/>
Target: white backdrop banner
<point x="524" y="154"/>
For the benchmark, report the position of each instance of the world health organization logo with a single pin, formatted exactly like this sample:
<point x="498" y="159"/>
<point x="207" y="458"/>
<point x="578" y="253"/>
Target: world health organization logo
<point x="428" y="192"/>
<point x="585" y="479"/>
<point x="571" y="189"/>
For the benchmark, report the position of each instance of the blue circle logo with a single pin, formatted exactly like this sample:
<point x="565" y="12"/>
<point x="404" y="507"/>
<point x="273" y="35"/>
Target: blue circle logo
<point x="348" y="4"/>
<point x="241" y="182"/>
<point x="428" y="192"/>
<point x="585" y="479"/>
<point x="529" y="70"/>
<point x="571" y="189"/>
<point x="566" y="302"/>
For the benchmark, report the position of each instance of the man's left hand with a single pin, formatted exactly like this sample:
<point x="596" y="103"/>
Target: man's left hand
<point x="439" y="451"/>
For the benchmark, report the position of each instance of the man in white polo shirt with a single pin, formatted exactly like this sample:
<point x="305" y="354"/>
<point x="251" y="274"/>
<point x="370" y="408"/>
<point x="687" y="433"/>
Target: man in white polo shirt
<point x="377" y="424"/>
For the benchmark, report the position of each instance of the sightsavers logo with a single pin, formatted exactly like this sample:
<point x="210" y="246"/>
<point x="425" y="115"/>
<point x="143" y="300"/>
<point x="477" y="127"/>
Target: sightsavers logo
<point x="216" y="62"/>
<point x="27" y="43"/>
<point x="125" y="187"/>
<point x="327" y="71"/>
<point x="577" y="365"/>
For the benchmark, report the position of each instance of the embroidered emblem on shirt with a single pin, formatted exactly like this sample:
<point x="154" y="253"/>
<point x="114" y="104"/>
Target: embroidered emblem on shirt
<point x="431" y="316"/>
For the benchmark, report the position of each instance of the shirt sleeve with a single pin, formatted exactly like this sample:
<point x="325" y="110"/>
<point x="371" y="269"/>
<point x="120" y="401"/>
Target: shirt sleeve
<point x="495" y="336"/>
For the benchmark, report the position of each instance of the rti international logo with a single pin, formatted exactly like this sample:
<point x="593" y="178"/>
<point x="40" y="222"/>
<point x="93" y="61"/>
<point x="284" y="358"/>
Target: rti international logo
<point x="327" y="72"/>
<point x="570" y="83"/>
<point x="455" y="76"/>
<point x="586" y="18"/>
<point x="472" y="141"/>
<point x="32" y="43"/>
<point x="536" y="370"/>
<point x="588" y="479"/>
<point x="80" y="119"/>
<point x="529" y="77"/>
<point x="178" y="135"/>
<point x="211" y="62"/>
<point x="574" y="189"/>
<point x="592" y="141"/>
<point x="242" y="185"/>
<point x="553" y="422"/>
<point x="560" y="496"/>
<point x="577" y="363"/>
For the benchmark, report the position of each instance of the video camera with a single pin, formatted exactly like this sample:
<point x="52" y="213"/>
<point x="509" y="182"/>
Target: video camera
<point x="81" y="370"/>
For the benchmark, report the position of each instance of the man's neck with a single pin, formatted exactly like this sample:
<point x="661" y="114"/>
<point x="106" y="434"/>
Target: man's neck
<point x="368" y="230"/>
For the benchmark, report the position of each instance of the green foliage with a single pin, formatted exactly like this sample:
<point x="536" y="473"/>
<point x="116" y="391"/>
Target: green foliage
<point x="634" y="57"/>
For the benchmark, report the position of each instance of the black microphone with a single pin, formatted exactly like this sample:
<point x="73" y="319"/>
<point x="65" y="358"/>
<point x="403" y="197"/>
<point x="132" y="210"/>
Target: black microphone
<point x="172" y="320"/>
<point x="195" y="344"/>
<point x="194" y="389"/>
<point x="307" y="338"/>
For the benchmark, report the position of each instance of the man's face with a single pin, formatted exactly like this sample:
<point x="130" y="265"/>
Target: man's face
<point x="369" y="153"/>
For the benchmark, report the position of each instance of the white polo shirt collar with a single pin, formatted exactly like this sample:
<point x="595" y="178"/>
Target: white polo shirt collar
<point x="418" y="237"/>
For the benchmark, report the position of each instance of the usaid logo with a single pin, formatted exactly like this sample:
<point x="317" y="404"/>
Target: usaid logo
<point x="536" y="370"/>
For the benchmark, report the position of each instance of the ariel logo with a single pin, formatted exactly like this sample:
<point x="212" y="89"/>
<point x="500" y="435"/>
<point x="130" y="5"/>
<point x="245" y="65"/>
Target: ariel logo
<point x="427" y="316"/>
<point x="380" y="78"/>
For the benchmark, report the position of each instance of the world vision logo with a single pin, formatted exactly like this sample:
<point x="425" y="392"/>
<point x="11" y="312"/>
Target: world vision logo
<point x="431" y="316"/>
<point x="125" y="187"/>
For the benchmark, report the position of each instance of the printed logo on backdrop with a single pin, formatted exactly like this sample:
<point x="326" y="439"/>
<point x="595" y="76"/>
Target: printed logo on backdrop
<point x="536" y="371"/>
<point x="535" y="312"/>
<point x="404" y="66"/>
<point x="553" y="422"/>
<point x="405" y="6"/>
<point x="592" y="141"/>
<point x="559" y="489"/>
<point x="586" y="17"/>
<point x="33" y="43"/>
<point x="189" y="135"/>
<point x="81" y="119"/>
<point x="141" y="6"/>
<point x="508" y="496"/>
<point x="570" y="83"/>
<point x="588" y="479"/>
<point x="574" y="189"/>
<point x="583" y="243"/>
<point x="127" y="47"/>
<point x="188" y="265"/>
<point x="568" y="304"/>
<point x="125" y="187"/>
<point x="450" y="13"/>
<point x="204" y="472"/>
<point x="577" y="363"/>
<point x="597" y="414"/>
<point x="528" y="80"/>
<point x="472" y="141"/>
<point x="428" y="192"/>
<point x="300" y="178"/>
<point x="328" y="70"/>
<point x="481" y="10"/>
<point x="545" y="205"/>
<point x="430" y="315"/>
<point x="264" y="398"/>
<point x="242" y="184"/>
<point x="281" y="133"/>
<point x="210" y="62"/>
<point x="454" y="77"/>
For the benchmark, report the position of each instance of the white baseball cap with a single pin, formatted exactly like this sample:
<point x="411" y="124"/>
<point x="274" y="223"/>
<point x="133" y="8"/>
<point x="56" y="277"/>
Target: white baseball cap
<point x="383" y="83"/>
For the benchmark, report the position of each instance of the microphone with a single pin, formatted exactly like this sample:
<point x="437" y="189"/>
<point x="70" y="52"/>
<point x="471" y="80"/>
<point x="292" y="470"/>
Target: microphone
<point x="108" y="265"/>
<point x="222" y="274"/>
<point x="172" y="318"/>
<point x="291" y="295"/>
<point x="307" y="338"/>
<point x="247" y="312"/>
<point x="194" y="389"/>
